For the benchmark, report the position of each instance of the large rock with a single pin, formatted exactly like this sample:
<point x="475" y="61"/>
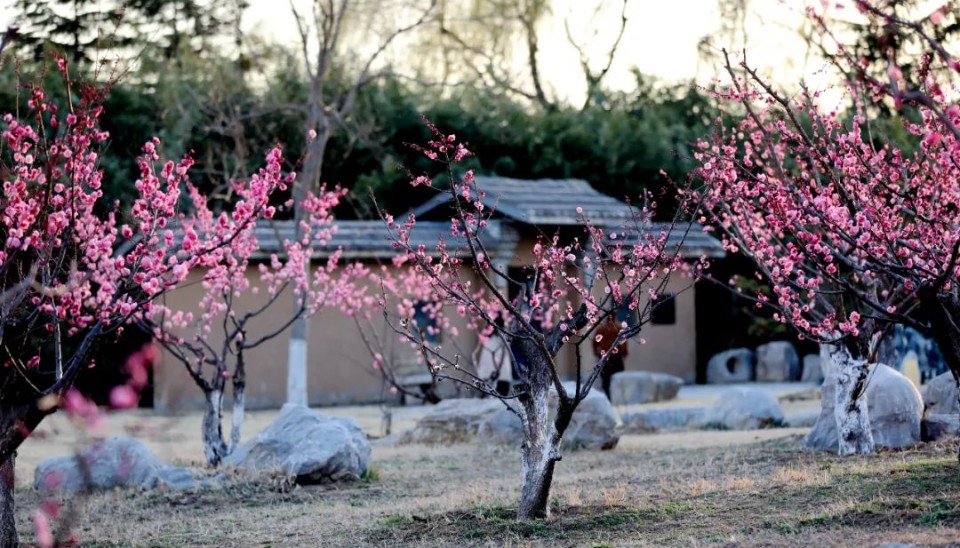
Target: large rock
<point x="812" y="371"/>
<point x="940" y="396"/>
<point x="594" y="423"/>
<point x="736" y="365"/>
<point x="645" y="421"/>
<point x="627" y="387"/>
<point x="593" y="426"/>
<point x="802" y="418"/>
<point x="307" y="444"/>
<point x="893" y="405"/>
<point x="452" y="421"/>
<point x="114" y="462"/>
<point x="777" y="362"/>
<point x="896" y="345"/>
<point x="745" y="409"/>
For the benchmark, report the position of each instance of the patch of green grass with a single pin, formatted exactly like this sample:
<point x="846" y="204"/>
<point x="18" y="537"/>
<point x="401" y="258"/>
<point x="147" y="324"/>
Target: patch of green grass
<point x="675" y="508"/>
<point x="396" y="519"/>
<point x="474" y="534"/>
<point x="938" y="513"/>
<point x="918" y="492"/>
<point x="531" y="528"/>
<point x="497" y="513"/>
<point x="369" y="475"/>
<point x="498" y="523"/>
<point x="616" y="517"/>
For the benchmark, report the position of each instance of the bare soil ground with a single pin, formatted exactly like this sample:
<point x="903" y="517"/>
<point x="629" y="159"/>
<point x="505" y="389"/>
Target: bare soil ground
<point x="681" y="489"/>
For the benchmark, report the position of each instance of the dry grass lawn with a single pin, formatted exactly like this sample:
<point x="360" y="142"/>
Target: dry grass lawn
<point x="684" y="489"/>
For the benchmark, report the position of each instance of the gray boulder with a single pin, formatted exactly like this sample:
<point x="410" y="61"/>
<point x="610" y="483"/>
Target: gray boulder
<point x="115" y="462"/>
<point x="645" y="421"/>
<point x="895" y="409"/>
<point x="736" y="365"/>
<point x="627" y="387"/>
<point x="307" y="444"/>
<point x="594" y="423"/>
<point x="802" y="418"/>
<point x="940" y="396"/>
<point x="893" y="405"/>
<point x="811" y="369"/>
<point x="502" y="427"/>
<point x="452" y="421"/>
<point x="745" y="409"/>
<point x="777" y="362"/>
<point x="823" y="435"/>
<point x="593" y="426"/>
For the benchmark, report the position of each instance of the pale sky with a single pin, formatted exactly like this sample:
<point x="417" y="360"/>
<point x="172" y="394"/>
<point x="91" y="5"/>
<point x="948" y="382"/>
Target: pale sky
<point x="661" y="38"/>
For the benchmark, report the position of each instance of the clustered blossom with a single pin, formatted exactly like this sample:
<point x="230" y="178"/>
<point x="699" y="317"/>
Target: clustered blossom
<point x="848" y="228"/>
<point x="224" y="272"/>
<point x="76" y="269"/>
<point x="64" y="256"/>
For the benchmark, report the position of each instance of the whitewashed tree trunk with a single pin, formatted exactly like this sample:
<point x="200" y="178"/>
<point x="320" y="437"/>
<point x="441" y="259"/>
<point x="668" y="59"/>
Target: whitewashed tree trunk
<point x="539" y="454"/>
<point x="850" y="411"/>
<point x="8" y="523"/>
<point x="297" y="364"/>
<point x="237" y="418"/>
<point x="308" y="181"/>
<point x="214" y="448"/>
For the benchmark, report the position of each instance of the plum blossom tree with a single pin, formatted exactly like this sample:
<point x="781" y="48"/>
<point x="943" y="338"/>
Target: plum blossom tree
<point x="574" y="285"/>
<point x="211" y="340"/>
<point x="75" y="271"/>
<point x="854" y="233"/>
<point x="410" y="296"/>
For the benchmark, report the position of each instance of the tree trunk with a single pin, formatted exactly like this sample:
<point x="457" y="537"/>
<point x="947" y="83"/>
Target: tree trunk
<point x="539" y="454"/>
<point x="308" y="181"/>
<point x="297" y="363"/>
<point x="239" y="401"/>
<point x="944" y="314"/>
<point x="239" y="408"/>
<point x="8" y="525"/>
<point x="214" y="447"/>
<point x="853" y="420"/>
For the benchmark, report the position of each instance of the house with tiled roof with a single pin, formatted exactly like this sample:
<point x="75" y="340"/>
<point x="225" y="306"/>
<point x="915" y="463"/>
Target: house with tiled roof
<point x="338" y="360"/>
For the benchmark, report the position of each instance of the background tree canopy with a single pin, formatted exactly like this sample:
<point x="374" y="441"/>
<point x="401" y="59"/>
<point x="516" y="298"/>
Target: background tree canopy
<point x="202" y="96"/>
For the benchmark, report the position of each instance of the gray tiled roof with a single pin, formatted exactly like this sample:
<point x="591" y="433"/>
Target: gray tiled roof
<point x="542" y="201"/>
<point x="368" y="239"/>
<point x="695" y="242"/>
